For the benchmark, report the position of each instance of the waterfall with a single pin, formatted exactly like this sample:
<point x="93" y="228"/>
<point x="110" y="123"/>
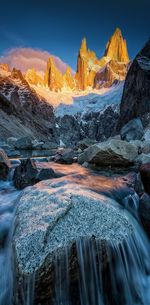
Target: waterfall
<point x="109" y="274"/>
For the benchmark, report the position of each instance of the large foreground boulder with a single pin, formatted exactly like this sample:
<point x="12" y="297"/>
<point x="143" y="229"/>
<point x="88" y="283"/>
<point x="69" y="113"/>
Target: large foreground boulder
<point x="110" y="153"/>
<point x="133" y="130"/>
<point x="4" y="165"/>
<point x="52" y="220"/>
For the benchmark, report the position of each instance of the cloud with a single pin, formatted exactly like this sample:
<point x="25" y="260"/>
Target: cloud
<point x="27" y="58"/>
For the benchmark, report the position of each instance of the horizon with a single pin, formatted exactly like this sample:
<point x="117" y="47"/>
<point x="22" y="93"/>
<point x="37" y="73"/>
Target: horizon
<point x="68" y="23"/>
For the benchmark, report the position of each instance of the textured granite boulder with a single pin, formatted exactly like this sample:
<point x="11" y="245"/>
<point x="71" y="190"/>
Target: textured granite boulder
<point x="110" y="153"/>
<point x="24" y="143"/>
<point x="51" y="220"/>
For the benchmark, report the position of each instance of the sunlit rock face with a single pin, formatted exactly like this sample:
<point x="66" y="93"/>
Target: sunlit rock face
<point x="116" y="47"/>
<point x="68" y="79"/>
<point x="103" y="72"/>
<point x="112" y="73"/>
<point x="33" y="77"/>
<point x="53" y="77"/>
<point x="4" y="67"/>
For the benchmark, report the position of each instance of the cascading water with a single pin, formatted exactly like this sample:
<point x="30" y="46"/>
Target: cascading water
<point x="8" y="195"/>
<point x="107" y="273"/>
<point x="123" y="279"/>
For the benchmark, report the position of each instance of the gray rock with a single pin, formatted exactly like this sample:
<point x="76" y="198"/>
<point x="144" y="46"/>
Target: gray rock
<point x="50" y="145"/>
<point x="24" y="143"/>
<point x="142" y="159"/>
<point x="133" y="130"/>
<point x="37" y="144"/>
<point x="85" y="143"/>
<point x="65" y="156"/>
<point x="25" y="174"/>
<point x="50" y="218"/>
<point x="110" y="153"/>
<point x="11" y="141"/>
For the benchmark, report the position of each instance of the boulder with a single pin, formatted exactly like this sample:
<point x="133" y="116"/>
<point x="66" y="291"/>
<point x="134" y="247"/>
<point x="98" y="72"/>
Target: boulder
<point x="110" y="153"/>
<point x="24" y="143"/>
<point x="85" y="143"/>
<point x="142" y="159"/>
<point x="25" y="174"/>
<point x="65" y="156"/>
<point x="28" y="173"/>
<point x="11" y="141"/>
<point x="133" y="130"/>
<point x="47" y="173"/>
<point x="53" y="222"/>
<point x="50" y="145"/>
<point x="145" y="176"/>
<point x="4" y="165"/>
<point x="37" y="144"/>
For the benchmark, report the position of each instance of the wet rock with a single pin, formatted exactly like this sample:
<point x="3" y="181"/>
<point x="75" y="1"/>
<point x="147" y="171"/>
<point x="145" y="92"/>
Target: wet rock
<point x="110" y="153"/>
<point x="47" y="173"/>
<point x="133" y="130"/>
<point x="51" y="218"/>
<point x="29" y="173"/>
<point x="145" y="176"/>
<point x="65" y="156"/>
<point x="25" y="174"/>
<point x="144" y="212"/>
<point x="24" y="143"/>
<point x="4" y="165"/>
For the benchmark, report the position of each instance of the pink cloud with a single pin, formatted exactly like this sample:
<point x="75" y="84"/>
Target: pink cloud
<point x="27" y="58"/>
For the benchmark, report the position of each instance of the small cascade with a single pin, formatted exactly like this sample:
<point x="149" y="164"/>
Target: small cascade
<point x="109" y="274"/>
<point x="8" y="196"/>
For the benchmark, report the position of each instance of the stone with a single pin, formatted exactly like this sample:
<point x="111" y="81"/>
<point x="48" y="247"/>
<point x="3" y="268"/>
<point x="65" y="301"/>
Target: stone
<point x="4" y="165"/>
<point x="47" y="173"/>
<point x="133" y="130"/>
<point x="11" y="141"/>
<point x="37" y="144"/>
<point x="50" y="219"/>
<point x="50" y="145"/>
<point x="145" y="176"/>
<point x="85" y="143"/>
<point x="29" y="172"/>
<point x="142" y="159"/>
<point x="25" y="174"/>
<point x="110" y="153"/>
<point x="65" y="156"/>
<point x="24" y="143"/>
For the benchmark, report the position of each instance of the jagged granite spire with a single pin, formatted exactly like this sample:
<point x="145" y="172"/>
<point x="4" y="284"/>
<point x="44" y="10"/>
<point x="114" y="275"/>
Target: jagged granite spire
<point x="116" y="47"/>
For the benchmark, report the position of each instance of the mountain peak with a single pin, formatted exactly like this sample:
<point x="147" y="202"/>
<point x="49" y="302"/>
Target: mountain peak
<point x="116" y="47"/>
<point x="83" y="48"/>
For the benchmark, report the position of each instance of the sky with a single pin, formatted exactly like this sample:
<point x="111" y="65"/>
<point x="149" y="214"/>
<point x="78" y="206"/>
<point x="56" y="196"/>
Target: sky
<point x="59" y="26"/>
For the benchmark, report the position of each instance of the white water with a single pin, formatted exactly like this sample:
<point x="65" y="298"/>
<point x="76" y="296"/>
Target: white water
<point x="126" y="279"/>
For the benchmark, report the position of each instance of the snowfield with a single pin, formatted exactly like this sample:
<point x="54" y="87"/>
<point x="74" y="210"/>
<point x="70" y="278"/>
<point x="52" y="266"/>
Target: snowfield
<point x="92" y="102"/>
